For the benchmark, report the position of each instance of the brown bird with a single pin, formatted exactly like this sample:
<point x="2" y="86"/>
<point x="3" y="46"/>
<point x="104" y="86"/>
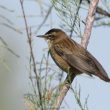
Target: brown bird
<point x="72" y="57"/>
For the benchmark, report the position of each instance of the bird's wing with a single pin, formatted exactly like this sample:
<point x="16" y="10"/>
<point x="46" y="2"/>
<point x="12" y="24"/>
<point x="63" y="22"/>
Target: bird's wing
<point x="98" y="65"/>
<point x="83" y="61"/>
<point x="79" y="61"/>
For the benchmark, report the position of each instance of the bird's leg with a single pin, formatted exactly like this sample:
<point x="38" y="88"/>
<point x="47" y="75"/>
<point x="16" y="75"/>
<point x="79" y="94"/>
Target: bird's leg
<point x="70" y="77"/>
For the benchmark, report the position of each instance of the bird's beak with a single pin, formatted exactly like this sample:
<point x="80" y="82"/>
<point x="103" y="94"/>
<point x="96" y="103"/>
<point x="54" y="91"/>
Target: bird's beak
<point x="44" y="36"/>
<point x="41" y="36"/>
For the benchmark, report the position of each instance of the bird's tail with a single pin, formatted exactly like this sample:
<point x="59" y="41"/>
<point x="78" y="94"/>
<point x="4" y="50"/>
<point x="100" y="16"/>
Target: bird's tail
<point x="103" y="77"/>
<point x="101" y="73"/>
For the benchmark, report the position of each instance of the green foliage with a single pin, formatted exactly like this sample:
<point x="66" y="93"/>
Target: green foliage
<point x="77" y="95"/>
<point x="68" y="12"/>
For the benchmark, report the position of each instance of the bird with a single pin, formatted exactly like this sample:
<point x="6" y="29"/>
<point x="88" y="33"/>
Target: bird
<point x="71" y="57"/>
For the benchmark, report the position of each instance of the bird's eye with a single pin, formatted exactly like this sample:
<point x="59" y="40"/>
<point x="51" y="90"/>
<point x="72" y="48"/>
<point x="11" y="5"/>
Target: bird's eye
<point x="51" y="36"/>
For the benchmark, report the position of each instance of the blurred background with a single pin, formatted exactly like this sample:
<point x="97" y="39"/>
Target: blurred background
<point x="14" y="54"/>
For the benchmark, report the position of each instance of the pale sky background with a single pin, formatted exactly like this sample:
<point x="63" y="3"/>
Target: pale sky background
<point x="14" y="82"/>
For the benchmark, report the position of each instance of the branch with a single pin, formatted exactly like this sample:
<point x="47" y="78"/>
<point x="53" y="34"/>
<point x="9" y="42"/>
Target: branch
<point x="63" y="91"/>
<point x="89" y="23"/>
<point x="100" y="10"/>
<point x="84" y="43"/>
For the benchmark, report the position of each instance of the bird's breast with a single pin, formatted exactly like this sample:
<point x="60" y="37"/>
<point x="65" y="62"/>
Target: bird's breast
<point x="58" y="60"/>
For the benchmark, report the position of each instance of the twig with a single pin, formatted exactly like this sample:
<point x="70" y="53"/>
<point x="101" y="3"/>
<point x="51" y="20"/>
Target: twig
<point x="11" y="27"/>
<point x="48" y="13"/>
<point x="102" y="12"/>
<point x="74" y="22"/>
<point x="5" y="8"/>
<point x="6" y="46"/>
<point x="84" y="43"/>
<point x="8" y="20"/>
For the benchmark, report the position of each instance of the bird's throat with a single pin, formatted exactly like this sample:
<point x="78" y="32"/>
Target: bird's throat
<point x="49" y="43"/>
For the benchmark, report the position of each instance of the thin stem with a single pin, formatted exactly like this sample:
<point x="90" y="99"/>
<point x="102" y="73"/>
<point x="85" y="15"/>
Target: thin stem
<point x="32" y="54"/>
<point x="75" y="18"/>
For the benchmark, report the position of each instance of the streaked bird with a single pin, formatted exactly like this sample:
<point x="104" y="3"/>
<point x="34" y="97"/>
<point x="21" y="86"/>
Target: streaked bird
<point x="72" y="57"/>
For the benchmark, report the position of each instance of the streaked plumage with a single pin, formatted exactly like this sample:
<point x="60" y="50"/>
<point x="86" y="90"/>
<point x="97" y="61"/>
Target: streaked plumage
<point x="71" y="57"/>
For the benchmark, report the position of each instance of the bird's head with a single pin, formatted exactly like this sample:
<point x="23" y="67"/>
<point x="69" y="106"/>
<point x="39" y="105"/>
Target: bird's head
<point x="53" y="34"/>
